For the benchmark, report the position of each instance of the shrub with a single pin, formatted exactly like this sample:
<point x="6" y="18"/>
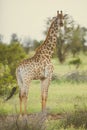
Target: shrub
<point x="77" y="119"/>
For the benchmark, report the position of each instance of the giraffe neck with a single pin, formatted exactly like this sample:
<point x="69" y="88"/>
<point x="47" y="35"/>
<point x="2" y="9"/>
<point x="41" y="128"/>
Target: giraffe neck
<point x="47" y="48"/>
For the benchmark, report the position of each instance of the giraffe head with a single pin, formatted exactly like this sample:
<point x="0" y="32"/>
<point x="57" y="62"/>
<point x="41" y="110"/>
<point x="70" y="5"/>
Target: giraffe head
<point x="60" y="18"/>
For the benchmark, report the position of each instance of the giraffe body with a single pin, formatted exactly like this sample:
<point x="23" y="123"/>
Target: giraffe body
<point x="34" y="70"/>
<point x="39" y="66"/>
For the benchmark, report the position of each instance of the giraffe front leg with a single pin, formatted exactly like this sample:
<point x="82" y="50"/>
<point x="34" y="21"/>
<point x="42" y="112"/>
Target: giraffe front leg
<point x="25" y="105"/>
<point x="44" y="92"/>
<point x="44" y="99"/>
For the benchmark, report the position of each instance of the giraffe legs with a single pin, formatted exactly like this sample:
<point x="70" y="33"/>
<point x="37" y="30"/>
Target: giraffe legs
<point x="20" y="105"/>
<point x="44" y="91"/>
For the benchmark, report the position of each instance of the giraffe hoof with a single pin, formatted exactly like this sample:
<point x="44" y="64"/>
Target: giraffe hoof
<point x="25" y="116"/>
<point x="20" y="117"/>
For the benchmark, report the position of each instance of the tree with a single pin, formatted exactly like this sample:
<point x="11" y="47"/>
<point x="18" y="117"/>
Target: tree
<point x="70" y="39"/>
<point x="3" y="53"/>
<point x="84" y="40"/>
<point x="14" y="55"/>
<point x="36" y="44"/>
<point x="6" y="80"/>
<point x="10" y="56"/>
<point x="1" y="38"/>
<point x="27" y="44"/>
<point x="14" y="38"/>
<point x="78" y="40"/>
<point x="47" y="24"/>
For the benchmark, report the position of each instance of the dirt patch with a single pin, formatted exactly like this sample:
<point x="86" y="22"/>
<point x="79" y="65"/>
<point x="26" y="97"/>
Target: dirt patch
<point x="31" y="116"/>
<point x="55" y="116"/>
<point x="30" y="122"/>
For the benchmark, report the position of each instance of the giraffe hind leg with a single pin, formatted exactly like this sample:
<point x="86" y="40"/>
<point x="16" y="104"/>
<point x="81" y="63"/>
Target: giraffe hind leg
<point x="23" y="100"/>
<point x="20" y="84"/>
<point x="23" y="95"/>
<point x="44" y="92"/>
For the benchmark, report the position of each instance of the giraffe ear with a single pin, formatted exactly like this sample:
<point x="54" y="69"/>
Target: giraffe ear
<point x="61" y="11"/>
<point x="57" y="12"/>
<point x="62" y="14"/>
<point x="65" y="16"/>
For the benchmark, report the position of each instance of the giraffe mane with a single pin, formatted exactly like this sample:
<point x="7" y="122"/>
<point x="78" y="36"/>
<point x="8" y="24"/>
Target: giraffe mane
<point x="37" y="49"/>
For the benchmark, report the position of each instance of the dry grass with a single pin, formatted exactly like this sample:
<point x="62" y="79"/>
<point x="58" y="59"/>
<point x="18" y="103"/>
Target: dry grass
<point x="29" y="122"/>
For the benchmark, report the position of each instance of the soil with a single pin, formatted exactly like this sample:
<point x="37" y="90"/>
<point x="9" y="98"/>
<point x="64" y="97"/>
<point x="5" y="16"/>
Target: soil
<point x="48" y="116"/>
<point x="17" y="122"/>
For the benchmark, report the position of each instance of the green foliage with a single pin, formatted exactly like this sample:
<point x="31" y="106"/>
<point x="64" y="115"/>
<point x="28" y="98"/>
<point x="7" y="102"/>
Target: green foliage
<point x="76" y="62"/>
<point x="71" y="39"/>
<point x="3" y="53"/>
<point x="1" y="38"/>
<point x="36" y="44"/>
<point x="15" y="55"/>
<point x="10" y="56"/>
<point x="14" y="38"/>
<point x="66" y="99"/>
<point x="77" y="40"/>
<point x="6" y="81"/>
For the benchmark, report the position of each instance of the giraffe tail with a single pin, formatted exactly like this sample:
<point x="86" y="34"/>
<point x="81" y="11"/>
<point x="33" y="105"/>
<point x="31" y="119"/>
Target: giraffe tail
<point x="11" y="94"/>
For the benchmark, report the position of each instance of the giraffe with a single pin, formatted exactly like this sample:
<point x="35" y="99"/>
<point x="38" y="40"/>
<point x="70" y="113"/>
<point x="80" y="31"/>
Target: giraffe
<point x="39" y="66"/>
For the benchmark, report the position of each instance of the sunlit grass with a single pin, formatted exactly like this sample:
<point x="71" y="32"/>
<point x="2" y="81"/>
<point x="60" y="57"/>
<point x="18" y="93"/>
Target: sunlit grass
<point x="66" y="96"/>
<point x="63" y="97"/>
<point x="55" y="125"/>
<point x="65" y="67"/>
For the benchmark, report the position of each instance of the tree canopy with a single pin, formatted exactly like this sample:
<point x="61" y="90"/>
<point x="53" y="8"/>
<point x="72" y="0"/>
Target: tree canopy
<point x="71" y="38"/>
<point x="10" y="56"/>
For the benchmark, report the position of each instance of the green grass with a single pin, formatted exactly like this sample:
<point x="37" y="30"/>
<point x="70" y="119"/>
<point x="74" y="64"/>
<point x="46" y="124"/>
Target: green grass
<point x="64" y="68"/>
<point x="64" y="97"/>
<point x="56" y="125"/>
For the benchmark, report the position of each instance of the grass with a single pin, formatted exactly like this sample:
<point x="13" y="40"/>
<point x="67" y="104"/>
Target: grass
<point x="64" y="97"/>
<point x="64" y="68"/>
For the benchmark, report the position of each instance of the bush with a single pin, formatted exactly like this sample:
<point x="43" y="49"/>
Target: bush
<point x="77" y="119"/>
